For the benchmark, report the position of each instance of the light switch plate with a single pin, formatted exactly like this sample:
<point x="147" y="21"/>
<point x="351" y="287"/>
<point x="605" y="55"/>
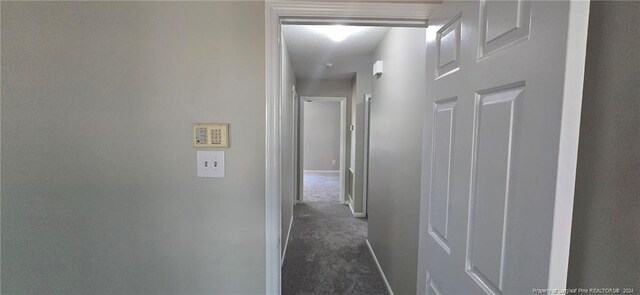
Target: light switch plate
<point x="210" y="163"/>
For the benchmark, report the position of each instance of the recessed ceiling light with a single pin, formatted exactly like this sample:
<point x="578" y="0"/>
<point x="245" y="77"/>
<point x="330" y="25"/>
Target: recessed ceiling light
<point x="337" y="33"/>
<point x="328" y="65"/>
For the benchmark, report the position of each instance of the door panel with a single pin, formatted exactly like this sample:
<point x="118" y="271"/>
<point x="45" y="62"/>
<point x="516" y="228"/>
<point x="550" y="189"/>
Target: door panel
<point x="491" y="144"/>
<point x="496" y="125"/>
<point x="503" y="23"/>
<point x="439" y="202"/>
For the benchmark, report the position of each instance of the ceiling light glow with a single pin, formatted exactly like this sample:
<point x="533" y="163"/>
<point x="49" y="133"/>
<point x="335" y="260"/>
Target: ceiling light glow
<point x="337" y="33"/>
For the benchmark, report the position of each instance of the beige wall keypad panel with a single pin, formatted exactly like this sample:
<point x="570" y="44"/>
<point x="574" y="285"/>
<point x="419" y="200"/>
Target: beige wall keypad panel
<point x="211" y="135"/>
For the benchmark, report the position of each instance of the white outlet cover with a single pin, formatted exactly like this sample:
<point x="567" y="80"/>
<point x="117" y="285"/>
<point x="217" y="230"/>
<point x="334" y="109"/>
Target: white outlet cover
<point x="210" y="163"/>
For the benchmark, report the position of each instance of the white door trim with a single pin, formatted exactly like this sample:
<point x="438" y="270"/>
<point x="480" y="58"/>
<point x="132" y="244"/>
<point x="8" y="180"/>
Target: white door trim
<point x="568" y="146"/>
<point x="365" y="171"/>
<point x="343" y="140"/>
<point x="300" y="150"/>
<point x="297" y="166"/>
<point x="389" y="14"/>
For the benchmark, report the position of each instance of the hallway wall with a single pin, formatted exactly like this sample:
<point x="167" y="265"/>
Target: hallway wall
<point x="321" y="135"/>
<point x="288" y="178"/>
<point x="605" y="238"/>
<point x="331" y="88"/>
<point x="397" y="110"/>
<point x="99" y="186"/>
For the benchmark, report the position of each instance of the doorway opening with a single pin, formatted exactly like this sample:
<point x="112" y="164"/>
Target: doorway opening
<point x="483" y="122"/>
<point x="277" y="171"/>
<point x="333" y="70"/>
<point x="322" y="148"/>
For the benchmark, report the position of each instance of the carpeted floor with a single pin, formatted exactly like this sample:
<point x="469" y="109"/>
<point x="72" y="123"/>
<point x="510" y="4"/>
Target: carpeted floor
<point x="327" y="253"/>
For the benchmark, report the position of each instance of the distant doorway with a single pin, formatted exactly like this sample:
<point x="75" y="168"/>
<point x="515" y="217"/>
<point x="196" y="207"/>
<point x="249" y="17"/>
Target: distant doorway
<point x="322" y="144"/>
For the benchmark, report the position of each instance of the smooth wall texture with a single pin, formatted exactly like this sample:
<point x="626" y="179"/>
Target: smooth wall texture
<point x="99" y="186"/>
<point x="321" y="135"/>
<point x="329" y="88"/>
<point x="288" y="148"/>
<point x="605" y="238"/>
<point x="395" y="155"/>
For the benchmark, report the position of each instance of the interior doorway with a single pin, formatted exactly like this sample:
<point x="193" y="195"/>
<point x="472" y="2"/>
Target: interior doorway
<point x="322" y="129"/>
<point x="502" y="137"/>
<point x="332" y="68"/>
<point x="377" y="14"/>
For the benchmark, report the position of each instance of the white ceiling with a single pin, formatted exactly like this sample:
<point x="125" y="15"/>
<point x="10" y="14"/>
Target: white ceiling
<point x="310" y="50"/>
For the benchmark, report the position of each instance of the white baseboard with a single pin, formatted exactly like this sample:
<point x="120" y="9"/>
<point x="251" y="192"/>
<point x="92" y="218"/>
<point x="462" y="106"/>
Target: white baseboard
<point x="323" y="171"/>
<point x="375" y="259"/>
<point x="286" y="243"/>
<point x="358" y="215"/>
<point x="347" y="201"/>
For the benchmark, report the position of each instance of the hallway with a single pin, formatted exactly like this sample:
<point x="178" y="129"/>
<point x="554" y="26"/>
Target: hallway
<point x="327" y="253"/>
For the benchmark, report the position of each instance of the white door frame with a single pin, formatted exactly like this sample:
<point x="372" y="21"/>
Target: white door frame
<point x="343" y="141"/>
<point x="297" y="147"/>
<point x="300" y="151"/>
<point x="276" y="13"/>
<point x="365" y="171"/>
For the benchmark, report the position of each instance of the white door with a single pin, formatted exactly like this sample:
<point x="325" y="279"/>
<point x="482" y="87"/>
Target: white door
<point x="500" y="145"/>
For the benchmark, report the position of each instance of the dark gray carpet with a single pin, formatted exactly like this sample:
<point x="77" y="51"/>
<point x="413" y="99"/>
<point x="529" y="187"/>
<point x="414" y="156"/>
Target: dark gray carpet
<point x="327" y="253"/>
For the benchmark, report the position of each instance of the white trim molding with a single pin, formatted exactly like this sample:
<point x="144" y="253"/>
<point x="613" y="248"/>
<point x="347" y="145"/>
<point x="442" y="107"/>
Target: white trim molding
<point x="292" y="12"/>
<point x="568" y="145"/>
<point x="286" y="242"/>
<point x="353" y="13"/>
<point x="273" y="153"/>
<point x="322" y="171"/>
<point x="375" y="259"/>
<point x="365" y="170"/>
<point x="323" y="98"/>
<point x="355" y="214"/>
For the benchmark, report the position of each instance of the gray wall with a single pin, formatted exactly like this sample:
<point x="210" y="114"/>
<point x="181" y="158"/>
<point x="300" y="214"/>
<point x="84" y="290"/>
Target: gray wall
<point x="396" y="149"/>
<point x="321" y="135"/>
<point x="100" y="194"/>
<point x="327" y="88"/>
<point x="288" y="155"/>
<point x="331" y="88"/>
<point x="605" y="238"/>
